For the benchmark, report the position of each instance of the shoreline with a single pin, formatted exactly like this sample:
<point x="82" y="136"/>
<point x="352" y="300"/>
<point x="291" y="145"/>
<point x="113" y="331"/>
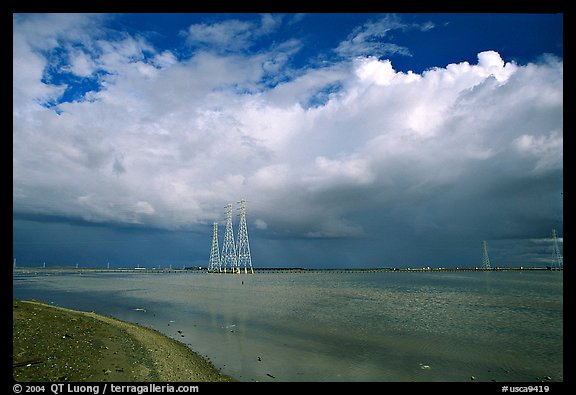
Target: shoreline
<point x="266" y="270"/>
<point x="52" y="343"/>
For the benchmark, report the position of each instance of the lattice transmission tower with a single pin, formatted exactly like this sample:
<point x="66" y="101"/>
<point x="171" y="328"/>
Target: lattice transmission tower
<point x="485" y="258"/>
<point x="215" y="265"/>
<point x="558" y="259"/>
<point x="244" y="258"/>
<point x="229" y="248"/>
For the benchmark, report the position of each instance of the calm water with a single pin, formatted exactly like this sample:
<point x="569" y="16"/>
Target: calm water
<point x="389" y="326"/>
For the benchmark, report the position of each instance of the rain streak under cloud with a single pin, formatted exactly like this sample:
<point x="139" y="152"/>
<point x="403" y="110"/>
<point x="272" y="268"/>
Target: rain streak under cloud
<point x="127" y="143"/>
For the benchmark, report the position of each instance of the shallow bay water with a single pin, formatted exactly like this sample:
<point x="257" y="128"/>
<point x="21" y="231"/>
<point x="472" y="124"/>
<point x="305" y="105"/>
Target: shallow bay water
<point x="337" y="326"/>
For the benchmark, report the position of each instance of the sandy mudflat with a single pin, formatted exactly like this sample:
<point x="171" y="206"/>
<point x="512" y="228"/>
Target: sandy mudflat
<point x="55" y="344"/>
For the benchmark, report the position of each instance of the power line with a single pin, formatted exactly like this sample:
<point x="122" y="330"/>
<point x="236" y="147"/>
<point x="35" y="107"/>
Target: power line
<point x="485" y="258"/>
<point x="244" y="257"/>
<point x="234" y="256"/>
<point x="215" y="265"/>
<point x="558" y="259"/>
<point x="229" y="248"/>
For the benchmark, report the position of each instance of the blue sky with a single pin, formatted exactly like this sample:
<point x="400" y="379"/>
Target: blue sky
<point x="358" y="140"/>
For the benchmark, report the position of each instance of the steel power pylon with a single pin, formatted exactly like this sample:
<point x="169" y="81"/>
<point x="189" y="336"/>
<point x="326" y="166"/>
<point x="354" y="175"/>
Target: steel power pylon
<point x="244" y="258"/>
<point x="485" y="258"/>
<point x="229" y="248"/>
<point x="215" y="265"/>
<point x="558" y="259"/>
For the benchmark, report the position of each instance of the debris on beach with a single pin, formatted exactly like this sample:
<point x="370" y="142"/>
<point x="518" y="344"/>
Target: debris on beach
<point x="139" y="309"/>
<point x="28" y="362"/>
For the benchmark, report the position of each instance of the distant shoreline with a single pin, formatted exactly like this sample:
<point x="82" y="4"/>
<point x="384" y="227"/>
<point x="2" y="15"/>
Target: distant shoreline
<point x="61" y="269"/>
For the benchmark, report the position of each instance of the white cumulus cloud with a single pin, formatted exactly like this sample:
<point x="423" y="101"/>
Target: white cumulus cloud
<point x="330" y="152"/>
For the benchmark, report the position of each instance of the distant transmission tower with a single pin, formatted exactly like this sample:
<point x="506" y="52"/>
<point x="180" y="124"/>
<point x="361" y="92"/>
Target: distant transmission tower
<point x="229" y="248"/>
<point x="214" y="264"/>
<point x="485" y="258"/>
<point x="244" y="258"/>
<point x="558" y="259"/>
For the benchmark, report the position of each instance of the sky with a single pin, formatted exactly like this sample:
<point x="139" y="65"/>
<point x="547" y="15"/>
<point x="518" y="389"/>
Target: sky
<point x="357" y="140"/>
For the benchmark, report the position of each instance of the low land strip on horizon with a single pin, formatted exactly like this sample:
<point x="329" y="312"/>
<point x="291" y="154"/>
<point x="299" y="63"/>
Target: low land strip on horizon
<point x="24" y="269"/>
